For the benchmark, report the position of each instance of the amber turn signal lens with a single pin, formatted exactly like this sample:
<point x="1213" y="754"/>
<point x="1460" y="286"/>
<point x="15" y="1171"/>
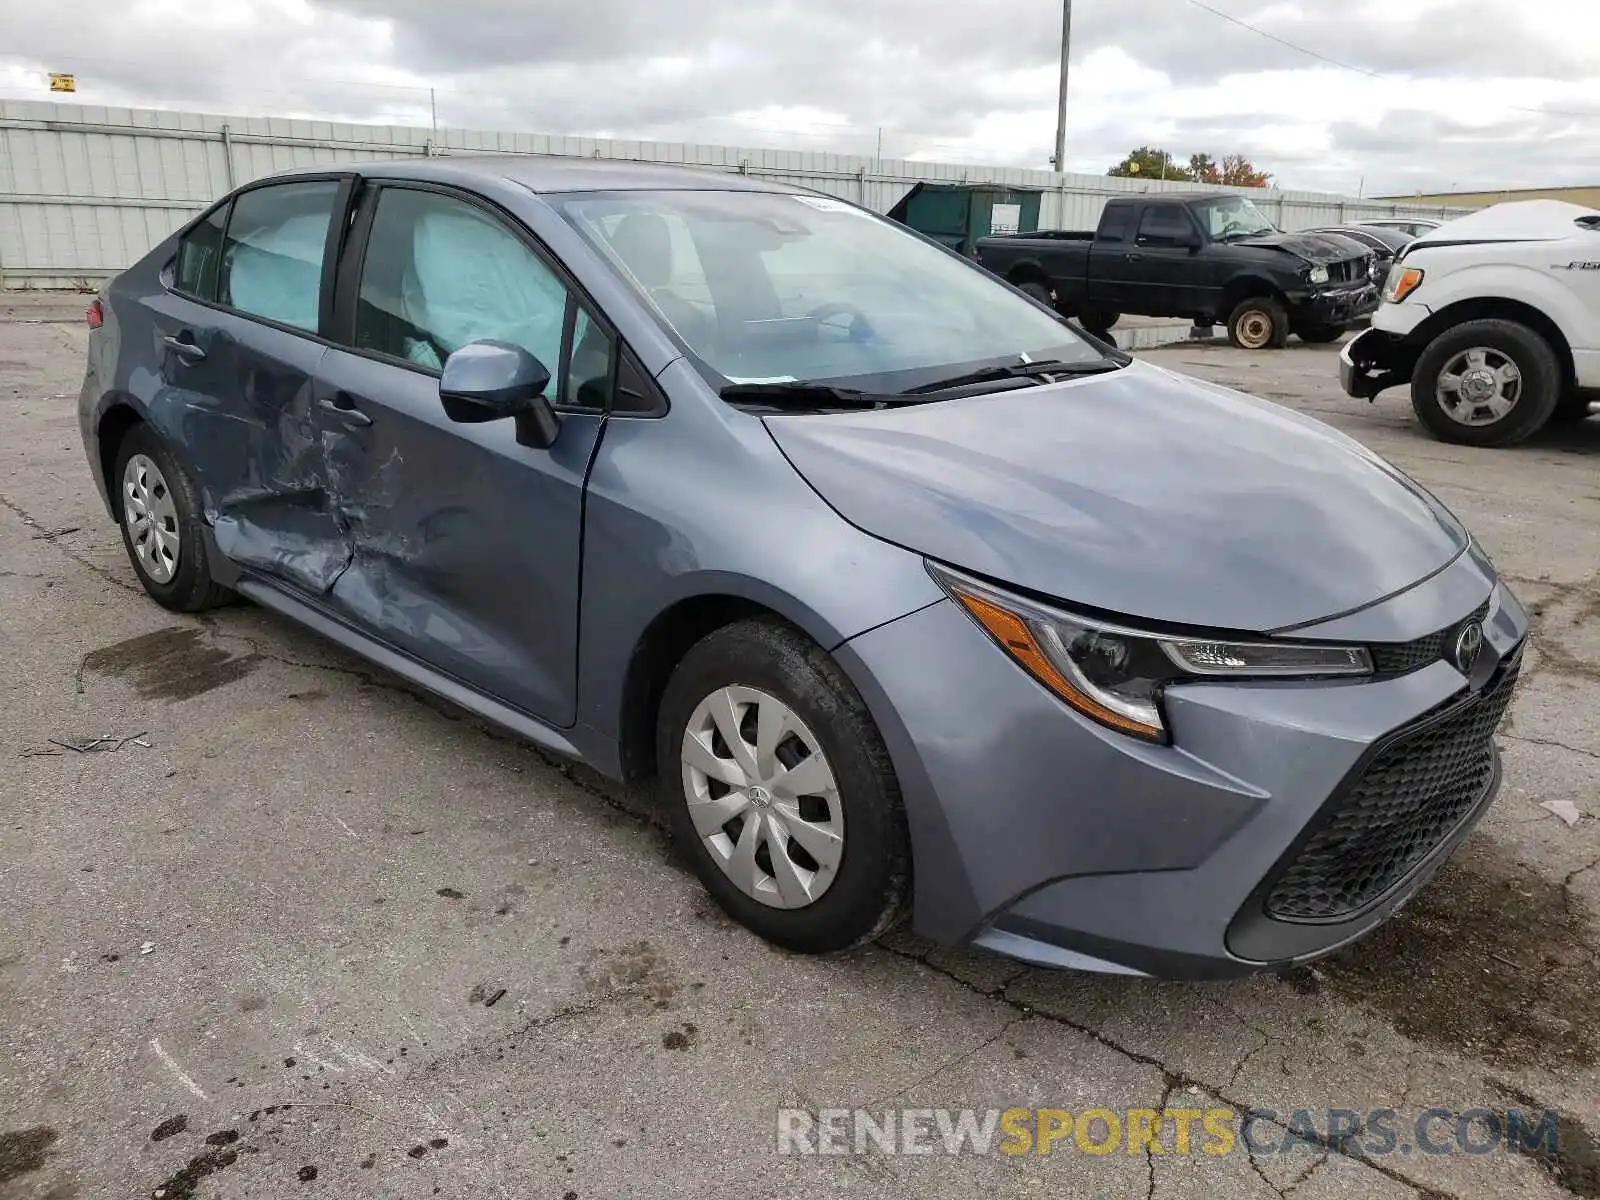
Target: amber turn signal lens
<point x="1012" y="634"/>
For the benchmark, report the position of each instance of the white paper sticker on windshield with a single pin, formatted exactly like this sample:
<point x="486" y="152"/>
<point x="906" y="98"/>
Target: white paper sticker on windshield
<point x="827" y="204"/>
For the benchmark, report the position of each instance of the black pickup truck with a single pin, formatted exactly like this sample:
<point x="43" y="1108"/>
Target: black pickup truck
<point x="1200" y="255"/>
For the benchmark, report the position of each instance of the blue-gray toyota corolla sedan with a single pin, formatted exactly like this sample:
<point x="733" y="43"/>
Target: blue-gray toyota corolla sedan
<point x="905" y="593"/>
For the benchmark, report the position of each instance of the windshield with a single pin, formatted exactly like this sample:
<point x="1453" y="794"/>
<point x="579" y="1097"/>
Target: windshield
<point x="1232" y="216"/>
<point x="771" y="288"/>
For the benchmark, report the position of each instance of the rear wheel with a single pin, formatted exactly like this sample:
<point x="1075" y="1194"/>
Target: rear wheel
<point x="780" y="790"/>
<point x="1486" y="383"/>
<point x="1259" y="323"/>
<point x="1039" y="292"/>
<point x="1098" y="321"/>
<point x="159" y="511"/>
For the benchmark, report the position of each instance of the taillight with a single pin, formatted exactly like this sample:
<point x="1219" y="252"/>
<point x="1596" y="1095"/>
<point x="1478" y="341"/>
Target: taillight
<point x="95" y="315"/>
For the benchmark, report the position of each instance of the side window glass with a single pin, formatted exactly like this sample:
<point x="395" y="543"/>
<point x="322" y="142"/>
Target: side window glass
<point x="588" y="378"/>
<point x="272" y="258"/>
<point x="1164" y="226"/>
<point x="199" y="255"/>
<point x="440" y="273"/>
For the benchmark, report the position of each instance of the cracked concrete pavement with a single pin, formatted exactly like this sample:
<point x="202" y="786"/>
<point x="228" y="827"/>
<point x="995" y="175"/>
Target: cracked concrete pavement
<point x="362" y="944"/>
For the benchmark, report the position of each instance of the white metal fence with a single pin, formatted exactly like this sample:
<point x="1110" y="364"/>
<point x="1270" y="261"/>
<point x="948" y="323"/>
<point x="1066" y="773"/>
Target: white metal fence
<point x="85" y="191"/>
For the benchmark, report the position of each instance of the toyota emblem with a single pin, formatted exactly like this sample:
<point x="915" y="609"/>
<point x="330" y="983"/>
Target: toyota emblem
<point x="1469" y="641"/>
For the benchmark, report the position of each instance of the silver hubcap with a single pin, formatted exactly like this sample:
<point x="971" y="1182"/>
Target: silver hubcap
<point x="763" y="797"/>
<point x="1479" y="386"/>
<point x="151" y="517"/>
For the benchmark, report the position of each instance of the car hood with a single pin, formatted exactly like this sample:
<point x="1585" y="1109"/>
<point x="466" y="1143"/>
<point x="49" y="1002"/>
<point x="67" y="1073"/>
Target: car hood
<point x="1520" y="220"/>
<point x="1141" y="493"/>
<point x="1317" y="248"/>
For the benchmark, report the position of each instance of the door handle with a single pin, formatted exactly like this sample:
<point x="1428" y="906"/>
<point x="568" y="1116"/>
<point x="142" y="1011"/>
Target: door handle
<point x="184" y="348"/>
<point x="344" y="408"/>
<point x="1135" y="258"/>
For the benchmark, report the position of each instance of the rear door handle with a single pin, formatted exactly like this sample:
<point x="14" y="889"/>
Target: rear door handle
<point x="184" y="348"/>
<point x="344" y="408"/>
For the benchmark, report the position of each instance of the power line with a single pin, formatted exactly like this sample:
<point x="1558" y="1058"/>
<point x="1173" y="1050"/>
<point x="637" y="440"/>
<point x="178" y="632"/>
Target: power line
<point x="1370" y="74"/>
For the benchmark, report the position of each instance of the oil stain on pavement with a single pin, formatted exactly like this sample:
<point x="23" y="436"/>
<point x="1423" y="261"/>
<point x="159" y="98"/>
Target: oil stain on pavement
<point x="24" y="1150"/>
<point x="170" y="664"/>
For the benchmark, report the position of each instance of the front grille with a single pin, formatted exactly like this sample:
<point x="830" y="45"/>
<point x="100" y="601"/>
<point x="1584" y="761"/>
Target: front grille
<point x="1417" y="789"/>
<point x="1396" y="658"/>
<point x="1344" y="272"/>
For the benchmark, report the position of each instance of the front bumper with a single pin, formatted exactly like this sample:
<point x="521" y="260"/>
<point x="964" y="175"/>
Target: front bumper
<point x="1044" y="836"/>
<point x="1375" y="361"/>
<point x="1339" y="306"/>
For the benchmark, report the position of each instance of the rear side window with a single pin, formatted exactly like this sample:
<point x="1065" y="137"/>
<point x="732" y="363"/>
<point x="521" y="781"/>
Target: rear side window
<point x="1114" y="223"/>
<point x="272" y="255"/>
<point x="199" y="255"/>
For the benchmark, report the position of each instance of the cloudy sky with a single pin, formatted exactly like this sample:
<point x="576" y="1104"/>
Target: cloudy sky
<point x="1467" y="93"/>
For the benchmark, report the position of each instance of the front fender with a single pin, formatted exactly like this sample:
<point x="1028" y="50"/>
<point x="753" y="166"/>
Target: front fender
<point x="1536" y="288"/>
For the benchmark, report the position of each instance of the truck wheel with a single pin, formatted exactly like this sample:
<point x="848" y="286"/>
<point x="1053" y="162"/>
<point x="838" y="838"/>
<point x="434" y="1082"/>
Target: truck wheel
<point x="1320" y="335"/>
<point x="1039" y="292"/>
<point x="1098" y="321"/>
<point x="1259" y="323"/>
<point x="1486" y="383"/>
<point x="1574" y="406"/>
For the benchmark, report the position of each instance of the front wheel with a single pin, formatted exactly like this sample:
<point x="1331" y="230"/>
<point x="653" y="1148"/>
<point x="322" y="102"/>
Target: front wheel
<point x="1320" y="335"/>
<point x="1486" y="383"/>
<point x="780" y="791"/>
<point x="1259" y="323"/>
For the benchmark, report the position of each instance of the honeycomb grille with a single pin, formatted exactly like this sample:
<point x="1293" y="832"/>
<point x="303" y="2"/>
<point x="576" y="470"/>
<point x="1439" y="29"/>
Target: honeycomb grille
<point x="1397" y="658"/>
<point x="1407" y="801"/>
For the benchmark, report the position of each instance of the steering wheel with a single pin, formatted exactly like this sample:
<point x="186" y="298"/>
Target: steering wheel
<point x="857" y="328"/>
<point x="1233" y="227"/>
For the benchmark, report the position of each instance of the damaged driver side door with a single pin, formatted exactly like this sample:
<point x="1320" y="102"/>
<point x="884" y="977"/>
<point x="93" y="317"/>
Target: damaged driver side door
<point x="466" y="541"/>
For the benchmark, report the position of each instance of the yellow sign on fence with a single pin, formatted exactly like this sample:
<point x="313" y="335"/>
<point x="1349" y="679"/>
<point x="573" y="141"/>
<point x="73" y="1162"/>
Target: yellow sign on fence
<point x="63" y="83"/>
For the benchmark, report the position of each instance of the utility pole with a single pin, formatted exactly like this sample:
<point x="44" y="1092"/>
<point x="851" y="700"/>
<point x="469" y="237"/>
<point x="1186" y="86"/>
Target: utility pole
<point x="1061" y="105"/>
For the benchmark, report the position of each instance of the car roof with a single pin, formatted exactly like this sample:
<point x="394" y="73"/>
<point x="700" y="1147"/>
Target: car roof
<point x="544" y="173"/>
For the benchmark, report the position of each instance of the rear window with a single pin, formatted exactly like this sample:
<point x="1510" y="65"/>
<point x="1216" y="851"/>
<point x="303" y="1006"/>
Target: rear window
<point x="1115" y="222"/>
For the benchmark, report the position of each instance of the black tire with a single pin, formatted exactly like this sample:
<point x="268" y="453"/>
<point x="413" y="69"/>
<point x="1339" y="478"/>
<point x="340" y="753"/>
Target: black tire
<point x="1039" y="292"/>
<point x="1320" y="335"/>
<point x="1574" y="406"/>
<point x="869" y="889"/>
<point x="1098" y="322"/>
<point x="1258" y="323"/>
<point x="191" y="588"/>
<point x="1539" y="390"/>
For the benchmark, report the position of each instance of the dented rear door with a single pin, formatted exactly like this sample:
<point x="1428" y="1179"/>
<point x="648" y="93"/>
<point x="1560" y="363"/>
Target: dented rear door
<point x="238" y="363"/>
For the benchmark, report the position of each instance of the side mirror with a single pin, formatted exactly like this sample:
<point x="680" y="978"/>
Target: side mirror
<point x="490" y="381"/>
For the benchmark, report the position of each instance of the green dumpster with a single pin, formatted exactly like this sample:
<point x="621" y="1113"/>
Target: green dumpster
<point x="958" y="214"/>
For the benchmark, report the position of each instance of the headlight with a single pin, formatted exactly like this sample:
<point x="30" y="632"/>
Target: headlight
<point x="1115" y="675"/>
<point x="1318" y="275"/>
<point x="1402" y="282"/>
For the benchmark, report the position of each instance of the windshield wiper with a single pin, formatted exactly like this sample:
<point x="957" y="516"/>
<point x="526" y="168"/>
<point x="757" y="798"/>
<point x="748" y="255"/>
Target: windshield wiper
<point x="1045" y="370"/>
<point x="807" y="397"/>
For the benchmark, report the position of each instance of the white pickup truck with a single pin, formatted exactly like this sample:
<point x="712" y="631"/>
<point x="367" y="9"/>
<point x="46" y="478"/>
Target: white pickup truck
<point x="1494" y="320"/>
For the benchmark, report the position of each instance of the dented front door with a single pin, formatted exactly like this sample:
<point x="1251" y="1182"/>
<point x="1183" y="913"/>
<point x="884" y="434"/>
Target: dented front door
<point x="465" y="544"/>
